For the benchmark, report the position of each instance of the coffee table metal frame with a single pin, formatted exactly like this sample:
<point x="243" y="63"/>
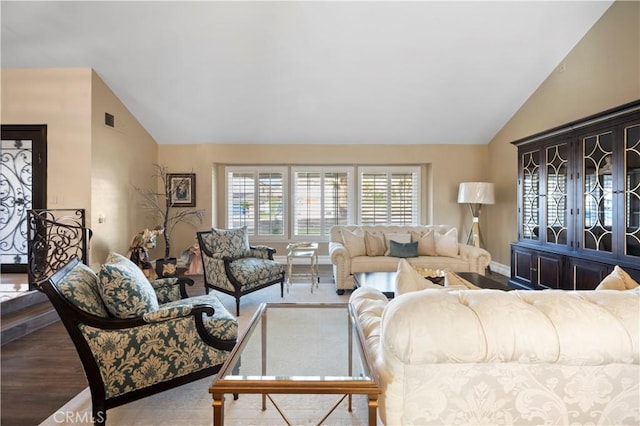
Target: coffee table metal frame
<point x="227" y="381"/>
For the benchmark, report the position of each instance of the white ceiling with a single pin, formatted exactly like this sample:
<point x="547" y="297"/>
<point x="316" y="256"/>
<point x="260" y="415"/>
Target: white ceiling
<point x="326" y="72"/>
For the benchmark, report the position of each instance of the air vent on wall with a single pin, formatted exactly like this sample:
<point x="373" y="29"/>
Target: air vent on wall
<point x="109" y="120"/>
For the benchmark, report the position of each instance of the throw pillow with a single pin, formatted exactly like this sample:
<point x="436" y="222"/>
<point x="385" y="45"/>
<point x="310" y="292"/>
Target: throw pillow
<point x="124" y="289"/>
<point x="354" y="242"/>
<point x="374" y="243"/>
<point x="401" y="237"/>
<point x="426" y="242"/>
<point x="408" y="279"/>
<point x="403" y="249"/>
<point x="447" y="243"/>
<point x="618" y="279"/>
<point x="233" y="243"/>
<point x="80" y="287"/>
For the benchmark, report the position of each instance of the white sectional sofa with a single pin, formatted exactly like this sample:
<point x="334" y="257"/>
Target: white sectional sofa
<point x="460" y="356"/>
<point x="438" y="248"/>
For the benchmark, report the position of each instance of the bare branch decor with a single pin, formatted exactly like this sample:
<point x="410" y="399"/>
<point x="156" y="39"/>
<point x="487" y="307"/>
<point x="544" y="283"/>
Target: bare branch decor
<point x="167" y="204"/>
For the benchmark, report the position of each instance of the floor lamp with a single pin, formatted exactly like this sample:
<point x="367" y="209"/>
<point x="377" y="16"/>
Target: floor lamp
<point x="476" y="194"/>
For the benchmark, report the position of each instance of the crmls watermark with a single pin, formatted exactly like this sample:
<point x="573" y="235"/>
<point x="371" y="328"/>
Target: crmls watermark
<point x="75" y="417"/>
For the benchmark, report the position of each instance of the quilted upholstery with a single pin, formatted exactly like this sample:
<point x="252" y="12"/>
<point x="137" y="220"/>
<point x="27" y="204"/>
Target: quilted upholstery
<point x="493" y="357"/>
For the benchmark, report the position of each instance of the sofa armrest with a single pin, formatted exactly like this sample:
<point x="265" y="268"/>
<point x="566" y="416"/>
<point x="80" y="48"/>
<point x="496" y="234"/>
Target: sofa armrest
<point x="369" y="305"/>
<point x="341" y="261"/>
<point x="171" y="289"/>
<point x="478" y="258"/>
<point x="262" y="252"/>
<point x="338" y="253"/>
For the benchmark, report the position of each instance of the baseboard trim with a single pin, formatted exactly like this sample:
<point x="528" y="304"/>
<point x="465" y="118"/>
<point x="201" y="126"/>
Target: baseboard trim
<point x="500" y="269"/>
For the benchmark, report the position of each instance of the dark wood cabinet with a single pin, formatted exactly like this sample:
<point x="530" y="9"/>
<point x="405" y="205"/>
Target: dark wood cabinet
<point x="534" y="269"/>
<point x="579" y="202"/>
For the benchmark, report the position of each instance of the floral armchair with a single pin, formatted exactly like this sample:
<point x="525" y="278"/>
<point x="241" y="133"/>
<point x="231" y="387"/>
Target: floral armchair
<point x="235" y="268"/>
<point x="137" y="337"/>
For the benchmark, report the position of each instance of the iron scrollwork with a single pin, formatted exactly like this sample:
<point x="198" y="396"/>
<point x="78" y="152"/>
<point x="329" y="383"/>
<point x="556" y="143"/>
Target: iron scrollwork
<point x="54" y="238"/>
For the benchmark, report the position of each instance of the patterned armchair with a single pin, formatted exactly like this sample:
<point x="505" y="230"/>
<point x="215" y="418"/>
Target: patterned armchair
<point x="136" y="337"/>
<point x="235" y="268"/>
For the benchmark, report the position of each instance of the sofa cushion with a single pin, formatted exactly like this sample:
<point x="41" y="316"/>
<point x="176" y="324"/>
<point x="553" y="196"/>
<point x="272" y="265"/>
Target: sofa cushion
<point x="124" y="289"/>
<point x="354" y="242"/>
<point x="426" y="242"/>
<point x="398" y="237"/>
<point x="374" y="243"/>
<point x="409" y="280"/>
<point x="447" y="243"/>
<point x="618" y="279"/>
<point x="80" y="287"/>
<point x="403" y="249"/>
<point x="233" y="243"/>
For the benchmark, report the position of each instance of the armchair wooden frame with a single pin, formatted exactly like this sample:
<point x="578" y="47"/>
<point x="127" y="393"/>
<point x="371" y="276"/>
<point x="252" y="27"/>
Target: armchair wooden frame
<point x="237" y="291"/>
<point x="72" y="316"/>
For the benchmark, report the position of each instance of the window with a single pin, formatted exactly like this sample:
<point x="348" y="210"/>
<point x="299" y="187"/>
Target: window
<point x="322" y="196"/>
<point x="389" y="195"/>
<point x="256" y="199"/>
<point x="321" y="200"/>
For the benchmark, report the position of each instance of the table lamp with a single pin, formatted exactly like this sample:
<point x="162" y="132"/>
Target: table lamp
<point x="475" y="194"/>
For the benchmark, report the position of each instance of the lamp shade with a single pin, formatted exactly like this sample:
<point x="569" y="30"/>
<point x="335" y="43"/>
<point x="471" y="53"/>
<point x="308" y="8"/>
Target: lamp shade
<point x="476" y="193"/>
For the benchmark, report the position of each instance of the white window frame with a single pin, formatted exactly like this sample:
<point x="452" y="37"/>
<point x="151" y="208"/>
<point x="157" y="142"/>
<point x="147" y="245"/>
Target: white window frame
<point x="322" y="170"/>
<point x="283" y="170"/>
<point x="288" y="172"/>
<point x="416" y="215"/>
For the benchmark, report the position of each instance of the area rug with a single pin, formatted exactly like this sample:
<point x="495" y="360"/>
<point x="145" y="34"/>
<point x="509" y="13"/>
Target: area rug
<point x="190" y="404"/>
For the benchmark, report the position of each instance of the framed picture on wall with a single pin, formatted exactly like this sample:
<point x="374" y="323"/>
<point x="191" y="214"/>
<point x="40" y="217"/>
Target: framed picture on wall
<point x="182" y="189"/>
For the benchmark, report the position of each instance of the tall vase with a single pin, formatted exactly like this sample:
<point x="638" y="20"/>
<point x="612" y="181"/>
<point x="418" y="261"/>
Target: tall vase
<point x="166" y="267"/>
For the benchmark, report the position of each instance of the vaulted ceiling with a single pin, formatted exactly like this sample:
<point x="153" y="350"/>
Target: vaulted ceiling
<point x="325" y="72"/>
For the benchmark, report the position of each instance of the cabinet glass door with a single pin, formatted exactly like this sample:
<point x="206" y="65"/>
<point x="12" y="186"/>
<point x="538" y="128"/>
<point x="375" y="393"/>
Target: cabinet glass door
<point x="530" y="196"/>
<point x="597" y="196"/>
<point x="557" y="157"/>
<point x="632" y="190"/>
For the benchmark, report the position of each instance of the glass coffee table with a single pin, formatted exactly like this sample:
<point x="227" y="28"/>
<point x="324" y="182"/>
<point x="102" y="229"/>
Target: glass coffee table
<point x="299" y="348"/>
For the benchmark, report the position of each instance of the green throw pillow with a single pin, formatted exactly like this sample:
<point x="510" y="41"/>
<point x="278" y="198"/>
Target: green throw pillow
<point x="124" y="289"/>
<point x="403" y="249"/>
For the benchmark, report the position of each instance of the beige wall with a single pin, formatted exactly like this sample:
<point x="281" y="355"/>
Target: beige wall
<point x="61" y="99"/>
<point x="122" y="156"/>
<point x="447" y="165"/>
<point x="601" y="72"/>
<point x="90" y="166"/>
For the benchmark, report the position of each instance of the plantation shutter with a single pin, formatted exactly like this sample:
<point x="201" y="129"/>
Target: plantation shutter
<point x="321" y="201"/>
<point x="389" y="196"/>
<point x="256" y="200"/>
<point x="270" y="201"/>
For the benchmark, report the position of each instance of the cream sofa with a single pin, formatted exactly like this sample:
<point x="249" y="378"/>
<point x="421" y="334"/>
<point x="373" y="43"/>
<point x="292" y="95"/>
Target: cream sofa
<point x="460" y="356"/>
<point x="464" y="258"/>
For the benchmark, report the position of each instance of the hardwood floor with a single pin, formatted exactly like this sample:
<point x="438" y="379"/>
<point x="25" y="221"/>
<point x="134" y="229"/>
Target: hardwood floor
<point x="40" y="373"/>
